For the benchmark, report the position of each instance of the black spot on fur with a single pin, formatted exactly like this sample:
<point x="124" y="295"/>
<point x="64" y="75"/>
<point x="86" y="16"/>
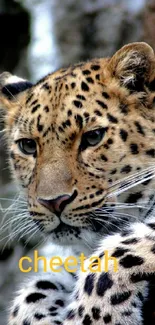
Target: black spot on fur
<point x="105" y="95"/>
<point x="84" y="86"/>
<point x="127" y="313"/>
<point x="77" y="103"/>
<point x="39" y="126"/>
<point x="66" y="123"/>
<point x="118" y="298"/>
<point x="46" y="109"/>
<point x="151" y="153"/>
<point x="34" y="297"/>
<point x="72" y="136"/>
<point x="81" y="97"/>
<point x="95" y="67"/>
<point x="138" y="277"/>
<point x="39" y="316"/>
<point x="120" y="251"/>
<point x="104" y="283"/>
<point x="97" y="77"/>
<point x="69" y="113"/>
<point x="96" y="313"/>
<point x="130" y="261"/>
<point x="112" y="118"/>
<point x="73" y="84"/>
<point x="109" y="141"/>
<point x="130" y="241"/>
<point x="97" y="112"/>
<point x="133" y="198"/>
<point x="107" y="318"/>
<point x="52" y="308"/>
<point x="99" y="192"/>
<point x="59" y="302"/>
<point x="34" y="102"/>
<point x="114" y="171"/>
<point x="80" y="311"/>
<point x="126" y="169"/>
<point x="102" y="104"/>
<point x="123" y="134"/>
<point x="79" y="121"/>
<point x="29" y="98"/>
<point x="87" y="320"/>
<point x="139" y="128"/>
<point x="86" y="72"/>
<point x="89" y="283"/>
<point x="70" y="315"/>
<point x="53" y="314"/>
<point x="46" y="285"/>
<point x="46" y="86"/>
<point x="86" y="115"/>
<point x="35" y="108"/>
<point x="60" y="129"/>
<point x="90" y="80"/>
<point x="104" y="158"/>
<point x="134" y="148"/>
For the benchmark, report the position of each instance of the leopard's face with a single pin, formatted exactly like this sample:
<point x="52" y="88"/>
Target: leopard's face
<point x="73" y="139"/>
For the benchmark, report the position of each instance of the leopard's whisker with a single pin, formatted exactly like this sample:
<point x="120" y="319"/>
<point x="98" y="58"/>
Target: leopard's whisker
<point x="128" y="186"/>
<point x="41" y="242"/>
<point x="119" y="205"/>
<point x="19" y="230"/>
<point x="150" y="169"/>
<point x="27" y="231"/>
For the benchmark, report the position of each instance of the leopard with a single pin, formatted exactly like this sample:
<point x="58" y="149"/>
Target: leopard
<point x="81" y="147"/>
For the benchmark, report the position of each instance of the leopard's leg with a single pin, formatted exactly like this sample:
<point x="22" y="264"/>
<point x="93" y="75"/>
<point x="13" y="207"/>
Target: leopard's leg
<point x="116" y="298"/>
<point x="42" y="300"/>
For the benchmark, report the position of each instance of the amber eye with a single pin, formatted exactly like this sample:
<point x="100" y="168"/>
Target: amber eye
<point x="92" y="138"/>
<point x="27" y="146"/>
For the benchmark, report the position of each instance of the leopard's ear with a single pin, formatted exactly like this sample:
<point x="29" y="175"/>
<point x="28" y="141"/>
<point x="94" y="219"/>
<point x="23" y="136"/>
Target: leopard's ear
<point x="133" y="65"/>
<point x="10" y="88"/>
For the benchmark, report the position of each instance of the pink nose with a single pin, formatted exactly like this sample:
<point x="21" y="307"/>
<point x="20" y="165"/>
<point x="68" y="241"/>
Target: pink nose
<point x="57" y="205"/>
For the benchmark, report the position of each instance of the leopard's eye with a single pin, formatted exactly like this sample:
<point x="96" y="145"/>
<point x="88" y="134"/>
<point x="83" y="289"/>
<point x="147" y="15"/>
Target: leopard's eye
<point x="27" y="146"/>
<point x="92" y="138"/>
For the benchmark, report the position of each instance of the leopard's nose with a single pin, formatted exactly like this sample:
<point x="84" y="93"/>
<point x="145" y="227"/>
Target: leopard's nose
<point x="56" y="205"/>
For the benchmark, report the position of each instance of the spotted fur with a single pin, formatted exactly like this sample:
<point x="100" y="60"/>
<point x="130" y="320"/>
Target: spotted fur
<point x="92" y="126"/>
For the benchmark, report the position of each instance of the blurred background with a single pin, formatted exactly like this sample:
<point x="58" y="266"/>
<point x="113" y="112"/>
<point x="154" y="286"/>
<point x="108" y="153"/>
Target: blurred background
<point x="38" y="37"/>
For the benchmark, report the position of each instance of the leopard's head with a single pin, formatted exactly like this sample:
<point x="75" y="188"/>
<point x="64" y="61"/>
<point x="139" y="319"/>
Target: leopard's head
<point x="80" y="139"/>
